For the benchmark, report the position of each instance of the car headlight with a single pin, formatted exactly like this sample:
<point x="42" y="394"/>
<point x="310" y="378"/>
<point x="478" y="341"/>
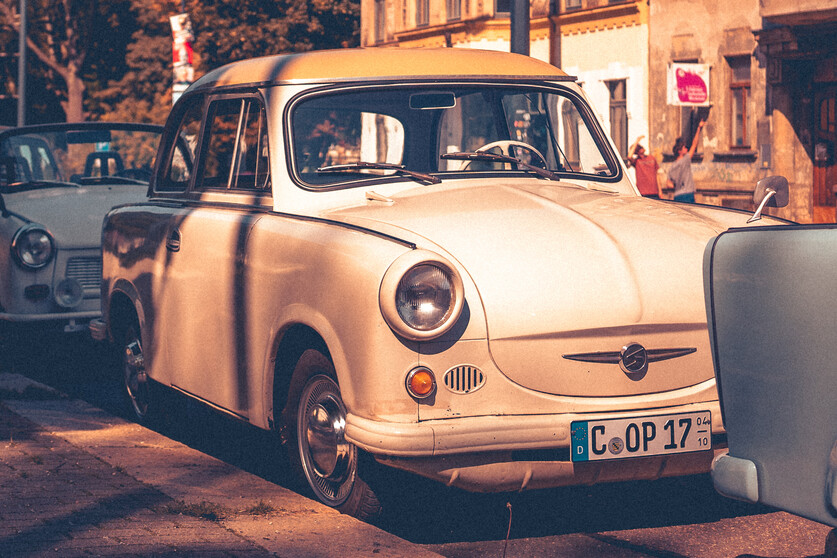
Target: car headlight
<point x="69" y="293"/>
<point x="33" y="247"/>
<point x="421" y="295"/>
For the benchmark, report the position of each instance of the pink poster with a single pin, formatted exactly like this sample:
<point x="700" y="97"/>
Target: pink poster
<point x="689" y="85"/>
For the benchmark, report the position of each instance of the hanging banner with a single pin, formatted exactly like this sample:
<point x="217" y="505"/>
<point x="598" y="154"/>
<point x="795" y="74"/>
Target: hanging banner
<point x="184" y="73"/>
<point x="688" y="85"/>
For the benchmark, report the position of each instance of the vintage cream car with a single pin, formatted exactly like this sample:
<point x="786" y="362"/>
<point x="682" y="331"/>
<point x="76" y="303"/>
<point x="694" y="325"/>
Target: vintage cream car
<point x="57" y="181"/>
<point x="434" y="257"/>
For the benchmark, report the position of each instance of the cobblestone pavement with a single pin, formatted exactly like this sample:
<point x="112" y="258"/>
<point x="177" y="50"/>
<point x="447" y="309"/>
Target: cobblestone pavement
<point x="58" y="500"/>
<point x="76" y="481"/>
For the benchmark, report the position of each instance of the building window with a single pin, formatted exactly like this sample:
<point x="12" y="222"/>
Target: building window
<point x="619" y="115"/>
<point x="380" y="20"/>
<point x="572" y="4"/>
<point x="739" y="88"/>
<point x="502" y="6"/>
<point x="454" y="9"/>
<point x="422" y="13"/>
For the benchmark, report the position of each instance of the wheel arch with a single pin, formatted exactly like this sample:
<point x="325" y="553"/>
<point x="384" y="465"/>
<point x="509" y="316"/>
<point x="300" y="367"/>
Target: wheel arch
<point x="123" y="305"/>
<point x="294" y="340"/>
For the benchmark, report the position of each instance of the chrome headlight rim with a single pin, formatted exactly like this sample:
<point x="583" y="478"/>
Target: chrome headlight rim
<point x="389" y="292"/>
<point x="16" y="247"/>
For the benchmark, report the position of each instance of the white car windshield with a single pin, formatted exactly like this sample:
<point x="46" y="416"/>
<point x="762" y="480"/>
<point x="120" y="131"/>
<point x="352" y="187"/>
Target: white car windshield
<point x="80" y="155"/>
<point x="352" y="135"/>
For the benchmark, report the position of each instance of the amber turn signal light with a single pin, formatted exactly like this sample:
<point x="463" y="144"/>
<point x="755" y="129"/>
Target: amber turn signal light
<point x="421" y="383"/>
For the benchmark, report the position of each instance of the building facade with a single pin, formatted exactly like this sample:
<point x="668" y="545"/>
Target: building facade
<point x="770" y="70"/>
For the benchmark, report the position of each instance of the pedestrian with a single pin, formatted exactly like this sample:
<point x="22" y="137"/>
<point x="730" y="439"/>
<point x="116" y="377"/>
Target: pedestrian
<point x="646" y="170"/>
<point x="680" y="172"/>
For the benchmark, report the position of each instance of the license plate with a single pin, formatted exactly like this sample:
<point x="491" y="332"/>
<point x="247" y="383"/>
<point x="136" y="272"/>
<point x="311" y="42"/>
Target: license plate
<point x="641" y="436"/>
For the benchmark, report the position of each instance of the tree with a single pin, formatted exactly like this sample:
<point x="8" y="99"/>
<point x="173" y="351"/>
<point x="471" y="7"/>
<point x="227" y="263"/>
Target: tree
<point x="225" y="31"/>
<point x="73" y="42"/>
<point x="111" y="59"/>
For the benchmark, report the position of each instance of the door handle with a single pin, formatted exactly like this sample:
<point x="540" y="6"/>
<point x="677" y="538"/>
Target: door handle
<point x="173" y="241"/>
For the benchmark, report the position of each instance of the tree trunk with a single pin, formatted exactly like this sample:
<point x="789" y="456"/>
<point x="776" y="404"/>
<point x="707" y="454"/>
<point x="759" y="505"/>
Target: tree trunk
<point x="74" y="105"/>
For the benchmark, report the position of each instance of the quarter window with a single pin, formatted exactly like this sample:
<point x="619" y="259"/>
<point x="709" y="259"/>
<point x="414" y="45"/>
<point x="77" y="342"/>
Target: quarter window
<point x="183" y="148"/>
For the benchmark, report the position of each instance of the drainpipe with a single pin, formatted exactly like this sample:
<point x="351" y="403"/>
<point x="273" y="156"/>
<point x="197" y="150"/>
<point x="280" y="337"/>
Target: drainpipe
<point x="520" y="26"/>
<point x="21" y="67"/>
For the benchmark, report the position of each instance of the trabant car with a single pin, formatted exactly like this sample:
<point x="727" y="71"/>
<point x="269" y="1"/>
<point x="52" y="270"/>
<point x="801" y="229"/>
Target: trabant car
<point x="431" y="257"/>
<point x="56" y="184"/>
<point x="771" y="307"/>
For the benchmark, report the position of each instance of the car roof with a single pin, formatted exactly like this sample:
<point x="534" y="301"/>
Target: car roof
<point x="327" y="66"/>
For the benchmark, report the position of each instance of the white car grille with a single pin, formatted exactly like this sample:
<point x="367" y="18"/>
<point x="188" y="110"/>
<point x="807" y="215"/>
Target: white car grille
<point x="464" y="379"/>
<point x="85" y="270"/>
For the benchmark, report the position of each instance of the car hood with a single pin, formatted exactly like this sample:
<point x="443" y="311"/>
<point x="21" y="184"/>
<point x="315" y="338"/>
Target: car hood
<point x="72" y="215"/>
<point x="565" y="271"/>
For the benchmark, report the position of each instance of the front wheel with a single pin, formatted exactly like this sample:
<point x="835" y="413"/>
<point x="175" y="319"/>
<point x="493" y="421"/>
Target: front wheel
<point x="328" y="462"/>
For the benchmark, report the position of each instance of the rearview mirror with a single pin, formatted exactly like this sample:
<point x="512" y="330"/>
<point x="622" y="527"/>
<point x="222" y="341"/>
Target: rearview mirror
<point x="772" y="191"/>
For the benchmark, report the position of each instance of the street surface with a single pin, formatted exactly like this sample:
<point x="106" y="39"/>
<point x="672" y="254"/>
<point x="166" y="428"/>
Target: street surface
<point x="667" y="518"/>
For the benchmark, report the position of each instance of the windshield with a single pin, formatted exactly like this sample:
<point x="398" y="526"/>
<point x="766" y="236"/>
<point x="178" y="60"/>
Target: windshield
<point x="429" y="130"/>
<point x="79" y="155"/>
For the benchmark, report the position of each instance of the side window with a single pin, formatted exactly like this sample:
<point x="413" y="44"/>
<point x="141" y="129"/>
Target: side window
<point x="252" y="170"/>
<point x="219" y="143"/>
<point x="183" y="150"/>
<point x="235" y="152"/>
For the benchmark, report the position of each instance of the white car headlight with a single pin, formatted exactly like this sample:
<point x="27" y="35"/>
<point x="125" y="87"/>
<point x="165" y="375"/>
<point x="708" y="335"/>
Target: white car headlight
<point x="421" y="295"/>
<point x="33" y="246"/>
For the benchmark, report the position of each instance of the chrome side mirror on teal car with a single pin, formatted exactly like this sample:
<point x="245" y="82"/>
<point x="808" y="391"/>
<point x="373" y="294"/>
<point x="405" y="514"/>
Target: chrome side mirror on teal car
<point x="770" y="192"/>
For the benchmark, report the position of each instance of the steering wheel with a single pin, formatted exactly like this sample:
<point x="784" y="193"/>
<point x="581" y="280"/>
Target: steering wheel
<point x="505" y="145"/>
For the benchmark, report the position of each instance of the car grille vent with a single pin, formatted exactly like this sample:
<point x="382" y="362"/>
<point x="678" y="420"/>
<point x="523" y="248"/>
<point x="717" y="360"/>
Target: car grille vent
<point x="464" y="379"/>
<point x="87" y="271"/>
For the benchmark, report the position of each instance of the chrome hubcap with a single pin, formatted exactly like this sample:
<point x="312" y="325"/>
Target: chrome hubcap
<point x="328" y="459"/>
<point x="136" y="380"/>
<point x="327" y="444"/>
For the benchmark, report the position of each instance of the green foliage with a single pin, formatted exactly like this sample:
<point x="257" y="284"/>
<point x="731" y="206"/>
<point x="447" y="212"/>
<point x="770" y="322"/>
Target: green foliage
<point x="121" y="50"/>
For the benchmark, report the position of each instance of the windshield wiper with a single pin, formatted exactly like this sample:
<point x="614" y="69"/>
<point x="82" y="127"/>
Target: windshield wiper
<point x="400" y="169"/>
<point x="496" y="158"/>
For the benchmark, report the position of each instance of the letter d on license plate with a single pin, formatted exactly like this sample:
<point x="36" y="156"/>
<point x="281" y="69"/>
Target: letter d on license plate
<point x="641" y="436"/>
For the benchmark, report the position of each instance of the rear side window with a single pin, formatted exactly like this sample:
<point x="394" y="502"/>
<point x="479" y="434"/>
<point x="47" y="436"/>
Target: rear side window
<point x="235" y="151"/>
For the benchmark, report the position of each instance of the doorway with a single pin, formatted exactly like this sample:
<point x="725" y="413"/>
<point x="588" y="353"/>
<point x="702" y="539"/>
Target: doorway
<point x="825" y="166"/>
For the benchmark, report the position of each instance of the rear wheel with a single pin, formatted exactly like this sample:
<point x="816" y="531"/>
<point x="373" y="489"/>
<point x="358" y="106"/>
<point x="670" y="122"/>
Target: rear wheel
<point x="136" y="385"/>
<point x="328" y="462"/>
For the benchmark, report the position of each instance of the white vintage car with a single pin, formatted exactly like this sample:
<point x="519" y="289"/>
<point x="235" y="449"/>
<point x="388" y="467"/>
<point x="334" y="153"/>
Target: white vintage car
<point x="56" y="184"/>
<point x="771" y="305"/>
<point x="434" y="257"/>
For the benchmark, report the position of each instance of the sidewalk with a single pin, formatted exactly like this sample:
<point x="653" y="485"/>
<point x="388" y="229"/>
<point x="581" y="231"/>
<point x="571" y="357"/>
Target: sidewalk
<point x="75" y="481"/>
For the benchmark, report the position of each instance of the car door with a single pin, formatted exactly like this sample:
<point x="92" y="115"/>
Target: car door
<point x="202" y="292"/>
<point x="772" y="308"/>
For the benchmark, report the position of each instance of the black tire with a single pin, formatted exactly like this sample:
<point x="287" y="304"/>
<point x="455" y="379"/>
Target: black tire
<point x="137" y="388"/>
<point x="326" y="462"/>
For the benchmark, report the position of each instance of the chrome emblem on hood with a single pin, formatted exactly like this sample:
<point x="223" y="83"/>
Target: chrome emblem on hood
<point x="633" y="359"/>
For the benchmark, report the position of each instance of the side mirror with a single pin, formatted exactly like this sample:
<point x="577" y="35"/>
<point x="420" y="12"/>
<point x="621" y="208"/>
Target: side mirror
<point x="770" y="192"/>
